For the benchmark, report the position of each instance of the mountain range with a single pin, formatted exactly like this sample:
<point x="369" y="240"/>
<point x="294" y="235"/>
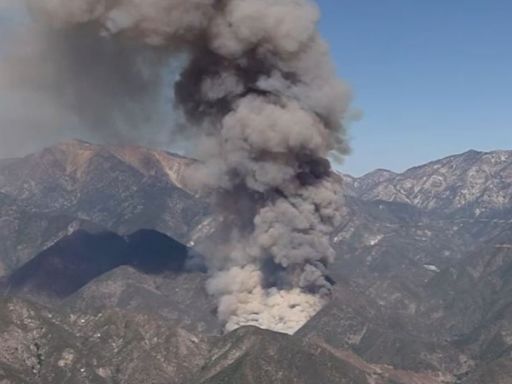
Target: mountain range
<point x="101" y="252"/>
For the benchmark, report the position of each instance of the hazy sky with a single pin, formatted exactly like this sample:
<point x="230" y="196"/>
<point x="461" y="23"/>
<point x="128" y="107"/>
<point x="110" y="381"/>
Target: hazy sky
<point x="432" y="77"/>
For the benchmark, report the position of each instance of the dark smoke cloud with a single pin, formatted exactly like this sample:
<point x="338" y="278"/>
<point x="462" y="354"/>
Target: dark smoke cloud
<point x="263" y="105"/>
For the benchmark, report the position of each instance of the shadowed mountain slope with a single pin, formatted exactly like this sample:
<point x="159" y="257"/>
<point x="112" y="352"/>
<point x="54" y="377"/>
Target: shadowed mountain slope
<point x="81" y="257"/>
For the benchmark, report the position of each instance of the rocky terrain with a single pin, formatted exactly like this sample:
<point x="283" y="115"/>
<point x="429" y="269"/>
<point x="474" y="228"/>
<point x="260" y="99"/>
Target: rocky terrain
<point x="102" y="284"/>
<point x="41" y="346"/>
<point x="78" y="185"/>
<point x="473" y="184"/>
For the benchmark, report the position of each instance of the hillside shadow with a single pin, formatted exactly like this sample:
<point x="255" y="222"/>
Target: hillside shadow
<point x="74" y="261"/>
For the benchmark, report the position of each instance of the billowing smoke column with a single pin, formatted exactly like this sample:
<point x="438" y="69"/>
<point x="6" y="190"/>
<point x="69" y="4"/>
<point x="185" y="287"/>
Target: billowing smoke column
<point x="260" y="94"/>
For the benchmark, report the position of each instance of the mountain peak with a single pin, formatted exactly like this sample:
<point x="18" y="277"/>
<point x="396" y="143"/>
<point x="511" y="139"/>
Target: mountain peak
<point x="379" y="173"/>
<point x="73" y="143"/>
<point x="471" y="152"/>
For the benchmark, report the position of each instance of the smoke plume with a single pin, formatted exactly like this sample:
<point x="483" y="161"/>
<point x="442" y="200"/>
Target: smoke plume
<point x="260" y="97"/>
<point x="60" y="83"/>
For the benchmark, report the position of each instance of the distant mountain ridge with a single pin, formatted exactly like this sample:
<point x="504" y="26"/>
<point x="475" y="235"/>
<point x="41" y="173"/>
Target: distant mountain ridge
<point x="471" y="184"/>
<point x="71" y="177"/>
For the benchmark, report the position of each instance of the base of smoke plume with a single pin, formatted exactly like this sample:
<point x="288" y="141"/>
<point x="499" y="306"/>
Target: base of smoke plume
<point x="242" y="301"/>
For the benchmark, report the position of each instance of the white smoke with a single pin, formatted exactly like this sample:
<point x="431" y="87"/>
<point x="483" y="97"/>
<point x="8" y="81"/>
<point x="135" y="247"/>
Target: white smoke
<point x="260" y="96"/>
<point x="243" y="301"/>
